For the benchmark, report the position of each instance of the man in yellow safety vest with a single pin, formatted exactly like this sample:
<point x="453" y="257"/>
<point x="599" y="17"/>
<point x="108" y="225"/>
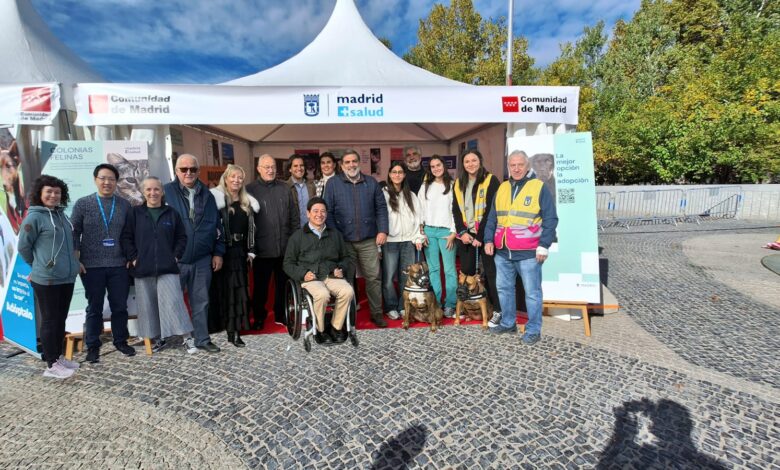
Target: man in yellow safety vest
<point x="519" y="231"/>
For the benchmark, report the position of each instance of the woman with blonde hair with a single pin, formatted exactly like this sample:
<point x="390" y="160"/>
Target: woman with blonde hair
<point x="229" y="306"/>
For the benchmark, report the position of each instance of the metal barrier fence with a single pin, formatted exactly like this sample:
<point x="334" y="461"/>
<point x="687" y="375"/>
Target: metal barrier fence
<point x="720" y="201"/>
<point x="759" y="205"/>
<point x="624" y="208"/>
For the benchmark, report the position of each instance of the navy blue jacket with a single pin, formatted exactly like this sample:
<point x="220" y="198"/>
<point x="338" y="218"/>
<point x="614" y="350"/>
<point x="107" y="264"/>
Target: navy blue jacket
<point x="204" y="234"/>
<point x="357" y="210"/>
<point x="155" y="247"/>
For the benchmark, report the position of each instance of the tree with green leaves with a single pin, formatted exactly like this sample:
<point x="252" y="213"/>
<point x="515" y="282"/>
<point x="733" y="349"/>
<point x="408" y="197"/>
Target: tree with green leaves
<point x="456" y="42"/>
<point x="686" y="91"/>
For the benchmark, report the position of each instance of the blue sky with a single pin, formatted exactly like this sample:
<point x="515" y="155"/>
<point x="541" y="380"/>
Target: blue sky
<point x="196" y="41"/>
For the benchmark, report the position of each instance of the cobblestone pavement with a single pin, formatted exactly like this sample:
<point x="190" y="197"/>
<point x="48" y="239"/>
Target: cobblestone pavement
<point x="668" y="382"/>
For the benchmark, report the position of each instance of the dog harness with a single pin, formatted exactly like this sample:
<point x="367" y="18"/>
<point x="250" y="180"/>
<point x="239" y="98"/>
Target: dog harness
<point x="416" y="289"/>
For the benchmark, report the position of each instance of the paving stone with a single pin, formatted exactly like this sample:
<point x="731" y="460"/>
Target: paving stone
<point x="665" y="383"/>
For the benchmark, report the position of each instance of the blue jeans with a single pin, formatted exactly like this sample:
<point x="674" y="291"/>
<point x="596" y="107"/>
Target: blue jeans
<point x="437" y="243"/>
<point x="395" y="255"/>
<point x="530" y="272"/>
<point x="195" y="280"/>
<point x="96" y="282"/>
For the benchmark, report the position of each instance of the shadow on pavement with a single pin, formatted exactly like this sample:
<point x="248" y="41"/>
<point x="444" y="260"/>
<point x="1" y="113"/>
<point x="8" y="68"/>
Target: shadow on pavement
<point x="670" y="424"/>
<point x="399" y="451"/>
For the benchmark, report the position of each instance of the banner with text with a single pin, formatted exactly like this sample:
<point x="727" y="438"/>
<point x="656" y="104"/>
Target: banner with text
<point x="35" y="104"/>
<point x="110" y="103"/>
<point x="72" y="162"/>
<point x="565" y="163"/>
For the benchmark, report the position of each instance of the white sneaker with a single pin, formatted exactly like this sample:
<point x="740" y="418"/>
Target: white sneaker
<point x="189" y="345"/>
<point x="402" y="313"/>
<point x="393" y="315"/>
<point x="68" y="364"/>
<point x="58" y="371"/>
<point x="449" y="312"/>
<point x="496" y="320"/>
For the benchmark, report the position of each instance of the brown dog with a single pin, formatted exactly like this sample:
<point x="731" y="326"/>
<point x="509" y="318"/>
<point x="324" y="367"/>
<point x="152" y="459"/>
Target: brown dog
<point x="419" y="300"/>
<point x="472" y="299"/>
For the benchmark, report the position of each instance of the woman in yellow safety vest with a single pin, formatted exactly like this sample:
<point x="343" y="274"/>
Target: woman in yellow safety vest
<point x="475" y="189"/>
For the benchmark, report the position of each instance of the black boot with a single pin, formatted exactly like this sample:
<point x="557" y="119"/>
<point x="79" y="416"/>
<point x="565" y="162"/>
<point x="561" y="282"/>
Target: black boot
<point x="320" y="337"/>
<point x="338" y="336"/>
<point x="239" y="343"/>
<point x="231" y="337"/>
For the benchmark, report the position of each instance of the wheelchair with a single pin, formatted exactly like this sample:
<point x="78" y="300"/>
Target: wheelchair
<point x="301" y="317"/>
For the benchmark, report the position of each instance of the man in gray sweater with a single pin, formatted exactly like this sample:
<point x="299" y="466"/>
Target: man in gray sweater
<point x="98" y="220"/>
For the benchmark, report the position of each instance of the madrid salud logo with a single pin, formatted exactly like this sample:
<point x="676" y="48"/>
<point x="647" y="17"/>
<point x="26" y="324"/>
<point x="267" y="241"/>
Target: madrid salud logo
<point x="36" y="99"/>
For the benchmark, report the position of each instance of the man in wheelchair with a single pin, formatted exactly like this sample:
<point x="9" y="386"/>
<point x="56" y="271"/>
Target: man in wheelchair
<point x="317" y="257"/>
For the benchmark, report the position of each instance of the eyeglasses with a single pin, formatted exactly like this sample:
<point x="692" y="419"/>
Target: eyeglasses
<point x="188" y="169"/>
<point x="10" y="165"/>
<point x="107" y="179"/>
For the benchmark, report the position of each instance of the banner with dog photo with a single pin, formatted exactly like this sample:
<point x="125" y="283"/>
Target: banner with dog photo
<point x="564" y="162"/>
<point x="72" y="162"/>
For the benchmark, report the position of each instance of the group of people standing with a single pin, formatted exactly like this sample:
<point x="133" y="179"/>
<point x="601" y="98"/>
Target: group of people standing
<point x="188" y="239"/>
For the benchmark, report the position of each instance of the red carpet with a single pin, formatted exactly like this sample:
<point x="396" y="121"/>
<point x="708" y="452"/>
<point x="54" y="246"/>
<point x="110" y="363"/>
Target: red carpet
<point x="363" y="317"/>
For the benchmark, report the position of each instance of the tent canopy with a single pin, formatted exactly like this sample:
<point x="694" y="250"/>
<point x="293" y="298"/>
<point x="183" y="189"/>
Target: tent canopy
<point x="346" y="53"/>
<point x="31" y="53"/>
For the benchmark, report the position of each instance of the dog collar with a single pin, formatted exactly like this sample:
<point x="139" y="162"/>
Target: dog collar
<point x="476" y="296"/>
<point x="415" y="289"/>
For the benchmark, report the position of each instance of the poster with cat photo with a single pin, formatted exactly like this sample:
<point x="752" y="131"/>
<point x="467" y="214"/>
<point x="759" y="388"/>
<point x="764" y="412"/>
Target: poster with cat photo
<point x="73" y="162"/>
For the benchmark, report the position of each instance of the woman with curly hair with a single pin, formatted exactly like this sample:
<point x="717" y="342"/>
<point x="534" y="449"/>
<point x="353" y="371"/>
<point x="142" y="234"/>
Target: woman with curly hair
<point x="46" y="244"/>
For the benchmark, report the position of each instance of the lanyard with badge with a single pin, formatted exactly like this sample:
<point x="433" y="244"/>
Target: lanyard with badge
<point x="108" y="241"/>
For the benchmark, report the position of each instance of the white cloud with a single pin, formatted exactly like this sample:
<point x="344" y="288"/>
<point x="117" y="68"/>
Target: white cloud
<point x="262" y="33"/>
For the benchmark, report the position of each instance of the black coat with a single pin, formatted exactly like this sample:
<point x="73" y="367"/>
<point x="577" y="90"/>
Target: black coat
<point x="154" y="247"/>
<point x="307" y="252"/>
<point x="277" y="218"/>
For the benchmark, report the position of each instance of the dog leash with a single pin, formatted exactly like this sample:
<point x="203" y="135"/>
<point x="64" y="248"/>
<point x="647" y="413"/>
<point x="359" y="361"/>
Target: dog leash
<point x="416" y="255"/>
<point x="477" y="270"/>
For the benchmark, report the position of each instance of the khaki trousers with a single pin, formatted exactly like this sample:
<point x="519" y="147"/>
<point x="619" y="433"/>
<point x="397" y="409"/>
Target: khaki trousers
<point x="321" y="291"/>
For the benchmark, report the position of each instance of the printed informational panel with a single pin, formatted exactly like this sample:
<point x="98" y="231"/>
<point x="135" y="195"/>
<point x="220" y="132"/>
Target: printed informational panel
<point x="72" y="162"/>
<point x="565" y="163"/>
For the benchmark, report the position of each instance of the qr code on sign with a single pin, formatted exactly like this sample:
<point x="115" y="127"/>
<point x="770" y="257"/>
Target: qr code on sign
<point x="566" y="196"/>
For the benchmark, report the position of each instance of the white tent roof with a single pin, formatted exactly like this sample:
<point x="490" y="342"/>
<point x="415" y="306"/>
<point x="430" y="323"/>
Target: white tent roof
<point x="30" y="53"/>
<point x="345" y="53"/>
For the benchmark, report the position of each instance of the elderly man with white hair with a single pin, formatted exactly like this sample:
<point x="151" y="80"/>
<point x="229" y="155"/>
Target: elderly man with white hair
<point x="196" y="206"/>
<point x="519" y="231"/>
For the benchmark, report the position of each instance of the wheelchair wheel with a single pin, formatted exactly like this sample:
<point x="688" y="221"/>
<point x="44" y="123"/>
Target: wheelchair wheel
<point x="353" y="313"/>
<point x="353" y="318"/>
<point x="294" y="298"/>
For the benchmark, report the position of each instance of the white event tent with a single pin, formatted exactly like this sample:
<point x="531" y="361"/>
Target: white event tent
<point x="265" y="111"/>
<point x="32" y="56"/>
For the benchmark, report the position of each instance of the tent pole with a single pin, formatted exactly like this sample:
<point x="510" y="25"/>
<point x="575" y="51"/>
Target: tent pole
<point x="509" y="41"/>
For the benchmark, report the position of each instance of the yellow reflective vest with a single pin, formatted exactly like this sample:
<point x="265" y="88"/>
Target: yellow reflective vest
<point x="480" y="202"/>
<point x="519" y="225"/>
